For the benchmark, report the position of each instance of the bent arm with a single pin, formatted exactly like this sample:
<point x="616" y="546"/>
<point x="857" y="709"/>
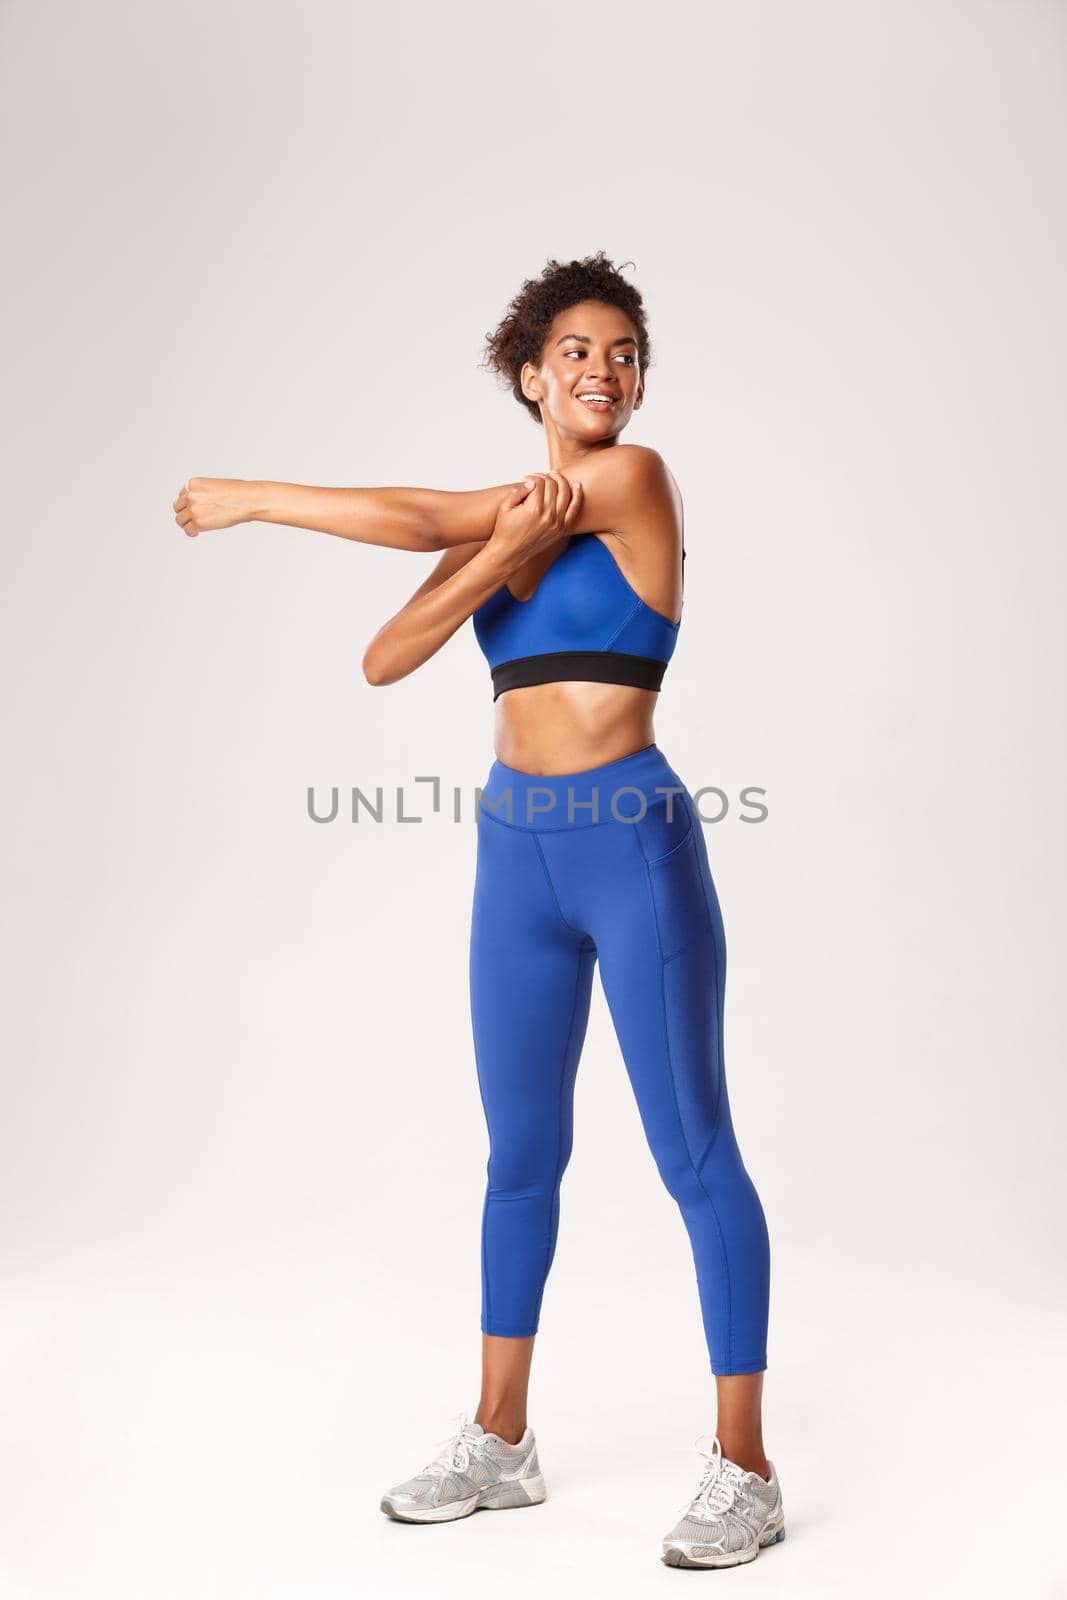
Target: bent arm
<point x="466" y="575"/>
<point x="403" y="519"/>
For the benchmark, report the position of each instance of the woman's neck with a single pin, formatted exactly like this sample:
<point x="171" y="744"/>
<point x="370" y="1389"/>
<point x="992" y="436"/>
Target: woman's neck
<point x="565" y="452"/>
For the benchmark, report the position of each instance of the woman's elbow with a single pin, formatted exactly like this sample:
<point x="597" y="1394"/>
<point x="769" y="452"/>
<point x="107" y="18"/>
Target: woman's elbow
<point x="376" y="670"/>
<point x="381" y="665"/>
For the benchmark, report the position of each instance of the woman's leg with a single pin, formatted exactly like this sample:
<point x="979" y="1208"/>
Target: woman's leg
<point x="740" y="1420"/>
<point x="530" y="984"/>
<point x="505" y="1386"/>
<point x="662" y="955"/>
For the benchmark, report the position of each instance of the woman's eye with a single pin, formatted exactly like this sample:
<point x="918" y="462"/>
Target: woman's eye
<point x="627" y="356"/>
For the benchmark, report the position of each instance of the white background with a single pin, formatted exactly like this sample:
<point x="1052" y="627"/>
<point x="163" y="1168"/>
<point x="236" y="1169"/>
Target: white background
<point x="242" y="1147"/>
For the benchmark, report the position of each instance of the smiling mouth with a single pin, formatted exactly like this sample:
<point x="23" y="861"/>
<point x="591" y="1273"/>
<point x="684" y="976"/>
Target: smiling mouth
<point x="593" y="400"/>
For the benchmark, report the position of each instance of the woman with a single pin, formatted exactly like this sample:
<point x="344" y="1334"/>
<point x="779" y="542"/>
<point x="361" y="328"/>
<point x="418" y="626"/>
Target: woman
<point x="589" y="850"/>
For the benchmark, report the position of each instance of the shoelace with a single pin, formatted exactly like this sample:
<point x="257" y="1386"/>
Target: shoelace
<point x="456" y="1455"/>
<point x="720" y="1483"/>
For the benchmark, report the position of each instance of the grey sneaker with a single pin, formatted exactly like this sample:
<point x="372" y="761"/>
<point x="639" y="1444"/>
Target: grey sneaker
<point x="731" y="1517"/>
<point x="476" y="1471"/>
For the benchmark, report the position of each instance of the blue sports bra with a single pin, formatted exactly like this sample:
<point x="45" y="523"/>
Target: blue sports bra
<point x="583" y="621"/>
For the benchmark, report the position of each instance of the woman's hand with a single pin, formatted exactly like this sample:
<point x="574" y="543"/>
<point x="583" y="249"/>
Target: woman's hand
<point x="532" y="516"/>
<point x="205" y="504"/>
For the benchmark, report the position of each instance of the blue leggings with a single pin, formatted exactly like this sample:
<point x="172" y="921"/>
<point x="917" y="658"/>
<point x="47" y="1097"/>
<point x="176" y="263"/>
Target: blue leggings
<point x="609" y="862"/>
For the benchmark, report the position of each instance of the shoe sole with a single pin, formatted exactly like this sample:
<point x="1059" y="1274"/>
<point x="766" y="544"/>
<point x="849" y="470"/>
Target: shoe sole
<point x="677" y="1555"/>
<point x="506" y="1496"/>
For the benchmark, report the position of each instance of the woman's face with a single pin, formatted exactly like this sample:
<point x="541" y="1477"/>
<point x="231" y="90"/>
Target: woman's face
<point x="589" y="350"/>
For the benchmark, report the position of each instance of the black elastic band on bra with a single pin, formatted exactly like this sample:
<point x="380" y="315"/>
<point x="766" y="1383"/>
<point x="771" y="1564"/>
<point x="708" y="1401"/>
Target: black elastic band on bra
<point x="587" y="666"/>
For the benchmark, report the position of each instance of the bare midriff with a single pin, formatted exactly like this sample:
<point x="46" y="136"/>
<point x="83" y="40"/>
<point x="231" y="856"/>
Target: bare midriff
<point x="552" y="728"/>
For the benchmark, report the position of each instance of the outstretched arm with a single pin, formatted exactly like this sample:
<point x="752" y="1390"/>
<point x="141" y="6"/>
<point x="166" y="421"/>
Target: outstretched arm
<point x="625" y="488"/>
<point x="404" y="519"/>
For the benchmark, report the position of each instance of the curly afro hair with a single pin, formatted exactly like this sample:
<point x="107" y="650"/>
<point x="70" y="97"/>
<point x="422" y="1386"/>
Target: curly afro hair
<point x="520" y="336"/>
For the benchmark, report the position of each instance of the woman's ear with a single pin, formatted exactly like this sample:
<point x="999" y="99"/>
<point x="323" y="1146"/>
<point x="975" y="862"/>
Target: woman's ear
<point x="530" y="382"/>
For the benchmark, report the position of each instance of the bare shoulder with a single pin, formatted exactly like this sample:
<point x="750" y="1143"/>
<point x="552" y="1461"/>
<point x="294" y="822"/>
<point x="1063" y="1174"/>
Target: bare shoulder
<point x="633" y="485"/>
<point x="641" y="456"/>
<point x="630" y="493"/>
<point x="640" y="463"/>
<point x="634" y="505"/>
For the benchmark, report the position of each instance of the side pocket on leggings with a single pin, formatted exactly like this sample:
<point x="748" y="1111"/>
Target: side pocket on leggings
<point x="677" y="885"/>
<point x="659" y="833"/>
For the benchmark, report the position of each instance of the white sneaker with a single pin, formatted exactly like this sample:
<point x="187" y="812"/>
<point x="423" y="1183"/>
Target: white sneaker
<point x="476" y="1471"/>
<point x="731" y="1517"/>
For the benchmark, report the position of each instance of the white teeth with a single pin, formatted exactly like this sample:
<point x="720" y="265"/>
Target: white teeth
<point x="604" y="398"/>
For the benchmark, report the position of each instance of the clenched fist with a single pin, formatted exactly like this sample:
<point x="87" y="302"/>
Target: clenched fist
<point x="204" y="504"/>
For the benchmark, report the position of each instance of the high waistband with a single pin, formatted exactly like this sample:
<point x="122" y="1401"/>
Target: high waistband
<point x="617" y="791"/>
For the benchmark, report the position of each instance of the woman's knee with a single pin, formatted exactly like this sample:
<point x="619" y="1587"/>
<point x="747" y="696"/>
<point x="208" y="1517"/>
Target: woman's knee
<point x="691" y="1176"/>
<point x="523" y="1169"/>
<point x="678" y="1171"/>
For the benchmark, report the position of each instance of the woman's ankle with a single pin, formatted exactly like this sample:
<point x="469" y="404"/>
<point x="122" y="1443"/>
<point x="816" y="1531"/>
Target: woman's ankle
<point x="506" y="1425"/>
<point x="749" y="1461"/>
<point x="749" y="1457"/>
